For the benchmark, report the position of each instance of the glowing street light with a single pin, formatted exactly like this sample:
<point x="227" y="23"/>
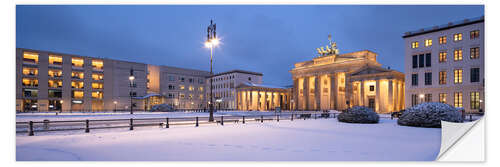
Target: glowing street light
<point x="212" y="41"/>
<point x="115" y="102"/>
<point x="131" y="78"/>
<point x="421" y="98"/>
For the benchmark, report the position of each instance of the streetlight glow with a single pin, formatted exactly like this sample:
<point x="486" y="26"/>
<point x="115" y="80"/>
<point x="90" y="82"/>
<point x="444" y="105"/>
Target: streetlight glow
<point x="215" y="41"/>
<point x="131" y="78"/>
<point x="421" y="96"/>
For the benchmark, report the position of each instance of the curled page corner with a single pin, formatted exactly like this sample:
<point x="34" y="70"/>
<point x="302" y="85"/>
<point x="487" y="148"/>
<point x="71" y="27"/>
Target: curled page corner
<point x="451" y="133"/>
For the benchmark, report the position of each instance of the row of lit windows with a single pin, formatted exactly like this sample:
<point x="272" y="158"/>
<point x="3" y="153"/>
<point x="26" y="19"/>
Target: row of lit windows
<point x="32" y="58"/>
<point x="457" y="99"/>
<point x="182" y="87"/>
<point x="442" y="39"/>
<point x="183" y="96"/>
<point x="424" y="60"/>
<point x="33" y="82"/>
<point x="224" y="94"/>
<point x="457" y="77"/>
<point x="55" y="93"/>
<point x="29" y="71"/>
<point x="223" y="85"/>
<point x="183" y="79"/>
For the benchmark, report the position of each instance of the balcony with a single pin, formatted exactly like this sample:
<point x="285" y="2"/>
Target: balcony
<point x="76" y="85"/>
<point x="55" y="73"/>
<point x="55" y="84"/>
<point x="30" y="71"/>
<point x="77" y="75"/>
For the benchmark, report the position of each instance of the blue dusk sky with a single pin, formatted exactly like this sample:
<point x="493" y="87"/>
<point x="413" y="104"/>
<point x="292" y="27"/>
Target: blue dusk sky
<point x="266" y="39"/>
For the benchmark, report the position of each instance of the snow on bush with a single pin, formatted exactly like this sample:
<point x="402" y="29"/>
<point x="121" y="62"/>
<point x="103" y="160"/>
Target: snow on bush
<point x="358" y="114"/>
<point x="162" y="108"/>
<point x="430" y="115"/>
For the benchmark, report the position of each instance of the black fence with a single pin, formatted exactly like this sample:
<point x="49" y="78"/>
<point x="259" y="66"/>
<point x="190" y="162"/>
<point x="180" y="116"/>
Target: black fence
<point x="86" y="126"/>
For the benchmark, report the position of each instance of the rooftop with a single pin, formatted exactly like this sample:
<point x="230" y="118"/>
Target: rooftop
<point x="444" y="26"/>
<point x="238" y="71"/>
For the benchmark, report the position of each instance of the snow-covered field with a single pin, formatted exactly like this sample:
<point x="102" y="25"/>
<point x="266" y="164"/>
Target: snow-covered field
<point x="298" y="140"/>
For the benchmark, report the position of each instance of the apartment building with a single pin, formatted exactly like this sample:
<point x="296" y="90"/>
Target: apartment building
<point x="446" y="64"/>
<point x="50" y="81"/>
<point x="224" y="86"/>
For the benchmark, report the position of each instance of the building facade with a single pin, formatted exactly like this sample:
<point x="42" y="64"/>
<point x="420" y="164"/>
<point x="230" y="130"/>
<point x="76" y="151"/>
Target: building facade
<point x="259" y="97"/>
<point x="49" y="81"/>
<point x="446" y="64"/>
<point x="224" y="86"/>
<point x="338" y="81"/>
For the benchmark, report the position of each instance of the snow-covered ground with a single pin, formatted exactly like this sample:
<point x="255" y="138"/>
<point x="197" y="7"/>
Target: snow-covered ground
<point x="298" y="140"/>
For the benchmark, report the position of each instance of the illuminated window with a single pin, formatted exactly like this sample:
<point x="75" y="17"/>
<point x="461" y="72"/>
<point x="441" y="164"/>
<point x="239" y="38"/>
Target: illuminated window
<point x="474" y="53"/>
<point x="97" y="77"/>
<point x="55" y="73"/>
<point x="30" y="71"/>
<point x="414" y="45"/>
<point x="457" y="37"/>
<point x="30" y="58"/>
<point x="97" y="64"/>
<point x="77" y="62"/>
<point x="191" y="88"/>
<point x="190" y="96"/>
<point x="442" y="56"/>
<point x="457" y="55"/>
<point x="30" y="82"/>
<point x="428" y="42"/>
<point x="77" y="75"/>
<point x="442" y="97"/>
<point x="181" y="95"/>
<point x="442" y="40"/>
<point x="77" y="94"/>
<point x="181" y="87"/>
<point x="474" y="34"/>
<point x="55" y="83"/>
<point x="55" y="60"/>
<point x="96" y="85"/>
<point x="200" y="88"/>
<point x="458" y="76"/>
<point x="442" y="77"/>
<point x="77" y="84"/>
<point x="458" y="99"/>
<point x="428" y="97"/>
<point x="474" y="100"/>
<point x="201" y="97"/>
<point x="97" y="94"/>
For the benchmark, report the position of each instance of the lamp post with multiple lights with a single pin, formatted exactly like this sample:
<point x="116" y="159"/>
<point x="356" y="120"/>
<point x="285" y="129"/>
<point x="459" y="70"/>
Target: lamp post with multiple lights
<point x="212" y="41"/>
<point x="131" y="78"/>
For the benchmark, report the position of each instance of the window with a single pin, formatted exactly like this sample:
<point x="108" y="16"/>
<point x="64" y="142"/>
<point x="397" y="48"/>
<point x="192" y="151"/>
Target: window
<point x="97" y="94"/>
<point x="442" y="77"/>
<point x="55" y="60"/>
<point x="414" y="79"/>
<point x="421" y="60"/>
<point x="32" y="82"/>
<point x="428" y="78"/>
<point x="97" y="77"/>
<point x="30" y="58"/>
<point x="200" y="81"/>
<point x="171" y="95"/>
<point x="190" y="96"/>
<point x="458" y="76"/>
<point x="171" y="87"/>
<point x="442" y="56"/>
<point x="77" y="94"/>
<point x="201" y="97"/>
<point x="372" y="88"/>
<point x="414" y="44"/>
<point x="96" y="85"/>
<point x="191" y="80"/>
<point x="55" y="93"/>
<point x="181" y="95"/>
<point x="457" y="37"/>
<point x="428" y="97"/>
<point x="182" y="79"/>
<point x="474" y="75"/>
<point x="30" y="92"/>
<point x="458" y="99"/>
<point x="442" y="40"/>
<point x="77" y="75"/>
<point x="200" y="89"/>
<point x="442" y="97"/>
<point x="474" y="100"/>
<point x="97" y="64"/>
<point x="55" y="73"/>
<point x="414" y="99"/>
<point x="181" y="87"/>
<point x="474" y="53"/>
<point x="250" y="79"/>
<point x="457" y="54"/>
<point x="171" y="78"/>
<point x="133" y="94"/>
<point x="415" y="61"/>
<point x="428" y="60"/>
<point x="77" y="62"/>
<point x="55" y="84"/>
<point x="428" y="42"/>
<point x="30" y="71"/>
<point x="191" y="88"/>
<point x="474" y="34"/>
<point x="77" y="84"/>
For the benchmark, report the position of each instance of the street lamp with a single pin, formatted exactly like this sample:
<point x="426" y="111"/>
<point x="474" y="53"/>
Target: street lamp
<point x="115" y="102"/>
<point x="421" y="98"/>
<point x="131" y="78"/>
<point x="212" y="41"/>
<point x="61" y="101"/>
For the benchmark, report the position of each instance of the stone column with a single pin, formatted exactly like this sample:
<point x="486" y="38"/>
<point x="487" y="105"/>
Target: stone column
<point x="251" y="100"/>
<point x="272" y="100"/>
<point x="377" y="98"/>
<point x="317" y="92"/>
<point x="295" y="93"/>
<point x="306" y="93"/>
<point x="333" y="91"/>
<point x="391" y="96"/>
<point x="362" y="93"/>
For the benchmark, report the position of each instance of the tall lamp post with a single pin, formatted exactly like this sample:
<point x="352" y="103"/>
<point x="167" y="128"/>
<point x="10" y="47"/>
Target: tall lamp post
<point x="211" y="42"/>
<point x="131" y="78"/>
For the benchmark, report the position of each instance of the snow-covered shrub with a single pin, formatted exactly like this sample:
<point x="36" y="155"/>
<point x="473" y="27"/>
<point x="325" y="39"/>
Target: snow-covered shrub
<point x="358" y="114"/>
<point x="162" y="108"/>
<point x="430" y="115"/>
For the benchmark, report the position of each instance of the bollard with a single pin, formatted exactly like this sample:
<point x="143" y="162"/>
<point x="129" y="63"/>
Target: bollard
<point x="87" y="130"/>
<point x="277" y="118"/>
<point x="243" y="119"/>
<point x="392" y="117"/>
<point x="470" y="117"/>
<point x="222" y="120"/>
<point x="167" y="126"/>
<point x="261" y="119"/>
<point x="30" y="130"/>
<point x="196" y="121"/>
<point x="334" y="114"/>
<point x="291" y="118"/>
<point x="131" y="124"/>
<point x="314" y="115"/>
